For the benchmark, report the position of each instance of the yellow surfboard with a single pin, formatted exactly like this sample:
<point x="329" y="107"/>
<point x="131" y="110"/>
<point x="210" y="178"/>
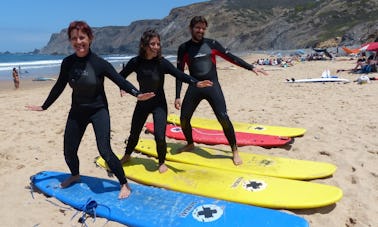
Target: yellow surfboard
<point x="207" y="123"/>
<point x="252" y="163"/>
<point x="238" y="187"/>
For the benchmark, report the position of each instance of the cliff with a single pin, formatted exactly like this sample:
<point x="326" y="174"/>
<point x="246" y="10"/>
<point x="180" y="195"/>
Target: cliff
<point x="246" y="25"/>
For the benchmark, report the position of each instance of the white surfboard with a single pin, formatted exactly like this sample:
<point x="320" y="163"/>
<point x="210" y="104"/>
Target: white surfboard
<point x="317" y="80"/>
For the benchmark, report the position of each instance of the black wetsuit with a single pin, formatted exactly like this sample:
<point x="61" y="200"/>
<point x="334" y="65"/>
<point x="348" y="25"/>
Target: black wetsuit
<point x="150" y="75"/>
<point x="201" y="60"/>
<point x="89" y="105"/>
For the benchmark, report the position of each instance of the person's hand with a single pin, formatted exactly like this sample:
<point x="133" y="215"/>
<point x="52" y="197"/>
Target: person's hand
<point x="145" y="96"/>
<point x="178" y="104"/>
<point x="34" y="108"/>
<point x="257" y="71"/>
<point x="204" y="83"/>
<point x="122" y="93"/>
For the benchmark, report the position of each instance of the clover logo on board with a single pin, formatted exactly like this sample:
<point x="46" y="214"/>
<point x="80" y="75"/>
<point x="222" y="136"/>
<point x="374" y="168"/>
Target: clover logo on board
<point x="266" y="162"/>
<point x="176" y="129"/>
<point x="207" y="213"/>
<point x="256" y="127"/>
<point x="254" y="185"/>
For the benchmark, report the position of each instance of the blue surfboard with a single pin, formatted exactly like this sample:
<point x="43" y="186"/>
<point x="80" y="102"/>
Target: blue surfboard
<point x="150" y="206"/>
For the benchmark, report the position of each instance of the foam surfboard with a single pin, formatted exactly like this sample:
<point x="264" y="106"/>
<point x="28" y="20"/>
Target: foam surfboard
<point x="213" y="137"/>
<point x="252" y="163"/>
<point x="198" y="122"/>
<point x="151" y="206"/>
<point x="258" y="190"/>
<point x="318" y="80"/>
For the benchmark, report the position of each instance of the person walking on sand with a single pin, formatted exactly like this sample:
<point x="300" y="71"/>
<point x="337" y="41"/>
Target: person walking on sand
<point x="16" y="78"/>
<point x="150" y="68"/>
<point x="85" y="72"/>
<point x="199" y="53"/>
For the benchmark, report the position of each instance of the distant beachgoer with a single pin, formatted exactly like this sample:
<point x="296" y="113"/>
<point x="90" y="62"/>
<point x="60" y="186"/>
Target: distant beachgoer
<point x="16" y="78"/>
<point x="199" y="53"/>
<point x="363" y="65"/>
<point x="85" y="72"/>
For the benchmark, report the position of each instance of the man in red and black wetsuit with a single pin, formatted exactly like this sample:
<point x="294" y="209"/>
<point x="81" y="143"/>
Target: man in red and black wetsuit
<point x="199" y="54"/>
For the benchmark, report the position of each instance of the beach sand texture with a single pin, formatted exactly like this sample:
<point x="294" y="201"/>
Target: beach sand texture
<point x="340" y="119"/>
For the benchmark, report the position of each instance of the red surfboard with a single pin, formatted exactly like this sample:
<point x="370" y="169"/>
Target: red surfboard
<point x="213" y="137"/>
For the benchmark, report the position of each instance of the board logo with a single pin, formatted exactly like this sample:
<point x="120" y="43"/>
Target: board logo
<point x="207" y="213"/>
<point x="266" y="162"/>
<point x="176" y="129"/>
<point x="254" y="185"/>
<point x="237" y="182"/>
<point x="187" y="209"/>
<point x="259" y="128"/>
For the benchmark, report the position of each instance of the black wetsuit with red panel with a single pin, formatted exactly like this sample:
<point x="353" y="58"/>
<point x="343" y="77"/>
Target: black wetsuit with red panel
<point x="201" y="60"/>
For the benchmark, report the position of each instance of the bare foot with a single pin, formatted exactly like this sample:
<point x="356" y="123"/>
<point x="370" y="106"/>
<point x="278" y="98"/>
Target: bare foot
<point x="236" y="158"/>
<point x="125" y="159"/>
<point x="163" y="168"/>
<point x="67" y="182"/>
<point x="124" y="192"/>
<point x="188" y="147"/>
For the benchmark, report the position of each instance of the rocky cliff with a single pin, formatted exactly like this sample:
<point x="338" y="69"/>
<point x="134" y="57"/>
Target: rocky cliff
<point x="246" y="25"/>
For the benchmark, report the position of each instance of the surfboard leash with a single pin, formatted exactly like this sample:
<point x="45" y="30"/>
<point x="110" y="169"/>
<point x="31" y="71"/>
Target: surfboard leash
<point x="88" y="209"/>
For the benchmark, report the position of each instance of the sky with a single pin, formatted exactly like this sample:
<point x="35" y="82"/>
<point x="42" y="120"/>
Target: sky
<point x="26" y="25"/>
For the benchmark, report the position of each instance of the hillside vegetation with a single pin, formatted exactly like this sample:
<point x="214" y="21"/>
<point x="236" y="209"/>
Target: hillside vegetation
<point x="246" y="25"/>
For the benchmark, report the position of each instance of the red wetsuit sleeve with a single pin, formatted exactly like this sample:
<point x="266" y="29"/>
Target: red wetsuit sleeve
<point x="218" y="49"/>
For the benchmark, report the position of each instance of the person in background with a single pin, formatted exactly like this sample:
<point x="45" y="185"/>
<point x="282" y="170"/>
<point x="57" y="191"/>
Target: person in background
<point x="150" y="68"/>
<point x="16" y="78"/>
<point x="363" y="65"/>
<point x="85" y="72"/>
<point x="199" y="53"/>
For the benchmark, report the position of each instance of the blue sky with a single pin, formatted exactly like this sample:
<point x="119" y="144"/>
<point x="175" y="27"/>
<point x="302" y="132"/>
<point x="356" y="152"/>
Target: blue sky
<point x="26" y="25"/>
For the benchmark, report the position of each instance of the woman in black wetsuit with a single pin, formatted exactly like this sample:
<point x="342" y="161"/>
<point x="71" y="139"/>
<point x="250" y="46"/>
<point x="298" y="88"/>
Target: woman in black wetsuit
<point x="199" y="53"/>
<point x="85" y="72"/>
<point x="150" y="68"/>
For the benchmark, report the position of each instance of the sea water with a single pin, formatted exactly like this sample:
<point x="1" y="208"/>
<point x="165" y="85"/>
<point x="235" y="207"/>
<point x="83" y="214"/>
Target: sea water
<point x="38" y="65"/>
<point x="29" y="65"/>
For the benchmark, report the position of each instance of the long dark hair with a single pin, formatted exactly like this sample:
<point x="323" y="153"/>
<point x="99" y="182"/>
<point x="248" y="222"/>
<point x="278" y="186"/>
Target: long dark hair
<point x="145" y="42"/>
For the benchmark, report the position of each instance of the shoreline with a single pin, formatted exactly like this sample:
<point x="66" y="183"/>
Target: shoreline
<point x="25" y="84"/>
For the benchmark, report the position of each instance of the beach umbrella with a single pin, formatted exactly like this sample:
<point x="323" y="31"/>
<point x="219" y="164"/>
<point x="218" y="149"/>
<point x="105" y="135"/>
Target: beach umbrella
<point x="372" y="46"/>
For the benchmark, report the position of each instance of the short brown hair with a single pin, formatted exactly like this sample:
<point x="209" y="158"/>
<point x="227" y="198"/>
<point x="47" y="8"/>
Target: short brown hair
<point x="197" y="19"/>
<point x="81" y="26"/>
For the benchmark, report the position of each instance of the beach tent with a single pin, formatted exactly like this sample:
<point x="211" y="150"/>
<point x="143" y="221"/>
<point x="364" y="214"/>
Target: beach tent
<point x="351" y="51"/>
<point x="324" y="50"/>
<point x="300" y="52"/>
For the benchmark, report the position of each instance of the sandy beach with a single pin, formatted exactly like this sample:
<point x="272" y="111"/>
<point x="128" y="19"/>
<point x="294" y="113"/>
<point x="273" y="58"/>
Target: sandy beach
<point x="339" y="118"/>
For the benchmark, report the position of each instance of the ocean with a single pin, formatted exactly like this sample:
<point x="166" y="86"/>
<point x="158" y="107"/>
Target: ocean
<point x="31" y="66"/>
